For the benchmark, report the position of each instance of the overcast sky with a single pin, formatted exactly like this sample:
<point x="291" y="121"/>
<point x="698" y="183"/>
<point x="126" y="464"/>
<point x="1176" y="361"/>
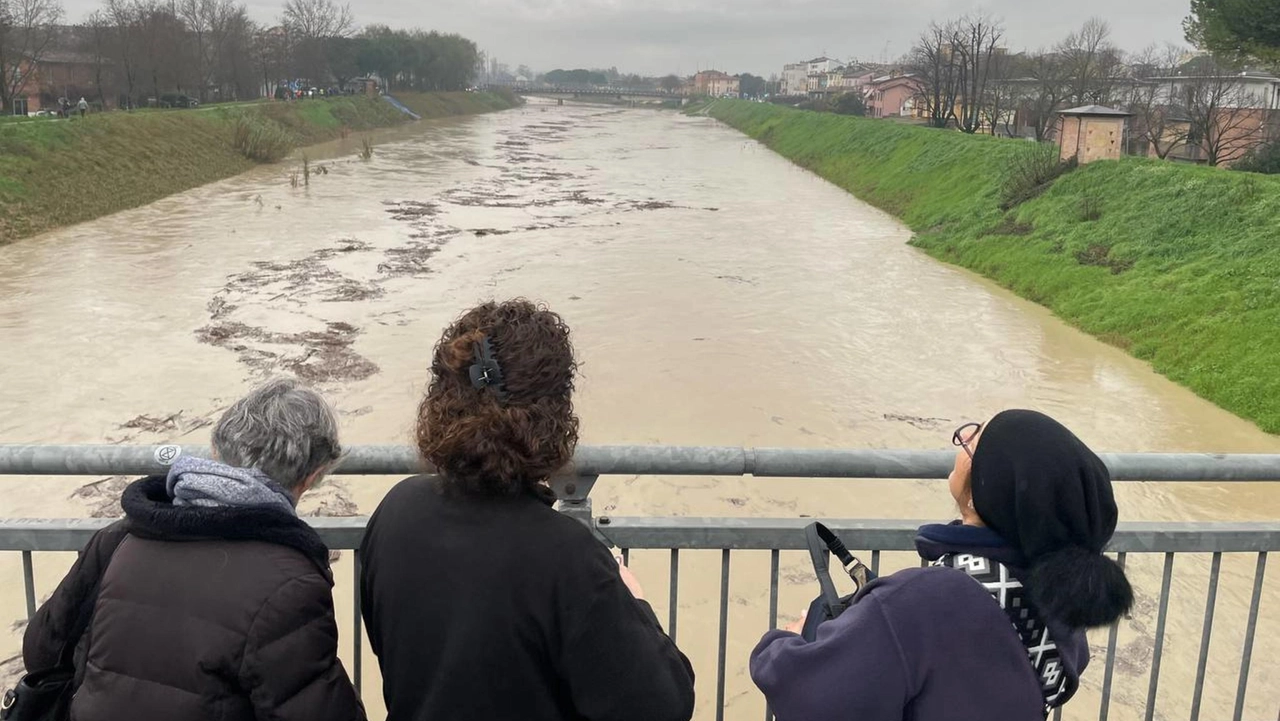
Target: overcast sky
<point x="661" y="36"/>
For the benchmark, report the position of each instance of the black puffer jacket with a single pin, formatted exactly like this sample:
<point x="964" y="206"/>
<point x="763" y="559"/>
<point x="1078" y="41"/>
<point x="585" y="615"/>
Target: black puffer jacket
<point x="203" y="613"/>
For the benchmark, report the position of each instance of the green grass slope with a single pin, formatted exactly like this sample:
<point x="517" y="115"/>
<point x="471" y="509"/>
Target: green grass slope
<point x="1179" y="265"/>
<point x="56" y="173"/>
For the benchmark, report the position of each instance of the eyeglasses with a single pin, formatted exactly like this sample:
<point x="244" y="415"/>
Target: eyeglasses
<point x="964" y="436"/>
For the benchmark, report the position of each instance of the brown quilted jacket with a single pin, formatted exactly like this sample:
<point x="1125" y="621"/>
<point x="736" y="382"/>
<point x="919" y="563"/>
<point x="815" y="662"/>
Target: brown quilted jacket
<point x="202" y="613"/>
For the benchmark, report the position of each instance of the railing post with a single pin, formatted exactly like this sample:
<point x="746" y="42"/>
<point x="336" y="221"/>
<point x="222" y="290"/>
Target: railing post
<point x="572" y="493"/>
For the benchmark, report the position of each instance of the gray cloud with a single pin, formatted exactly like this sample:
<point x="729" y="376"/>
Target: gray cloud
<point x="660" y="36"/>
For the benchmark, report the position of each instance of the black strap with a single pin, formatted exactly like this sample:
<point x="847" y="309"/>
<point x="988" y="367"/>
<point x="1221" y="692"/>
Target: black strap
<point x="821" y="540"/>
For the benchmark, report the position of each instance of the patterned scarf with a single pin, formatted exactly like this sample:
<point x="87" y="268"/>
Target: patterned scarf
<point x="1008" y="591"/>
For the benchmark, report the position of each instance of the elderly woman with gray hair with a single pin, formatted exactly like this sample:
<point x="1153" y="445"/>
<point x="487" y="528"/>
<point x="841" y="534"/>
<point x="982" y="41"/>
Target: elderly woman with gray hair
<point x="211" y="599"/>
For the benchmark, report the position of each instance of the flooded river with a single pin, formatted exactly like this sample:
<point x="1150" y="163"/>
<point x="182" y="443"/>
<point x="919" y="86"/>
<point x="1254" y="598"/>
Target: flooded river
<point x="718" y="295"/>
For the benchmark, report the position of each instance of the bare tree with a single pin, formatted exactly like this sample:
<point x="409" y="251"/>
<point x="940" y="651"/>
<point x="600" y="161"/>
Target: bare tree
<point x="975" y="43"/>
<point x="210" y="24"/>
<point x="318" y="18"/>
<point x="235" y="71"/>
<point x="27" y="29"/>
<point x="1004" y="90"/>
<point x="270" y="56"/>
<point x="160" y="35"/>
<point x="1225" y="119"/>
<point x="1048" y="92"/>
<point x="195" y="15"/>
<point x="124" y="18"/>
<point x="311" y="25"/>
<point x="97" y="44"/>
<point x="1093" y="64"/>
<point x="939" y="72"/>
<point x="1158" y="120"/>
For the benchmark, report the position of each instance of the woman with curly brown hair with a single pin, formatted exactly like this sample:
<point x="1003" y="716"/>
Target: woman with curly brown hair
<point x="481" y="601"/>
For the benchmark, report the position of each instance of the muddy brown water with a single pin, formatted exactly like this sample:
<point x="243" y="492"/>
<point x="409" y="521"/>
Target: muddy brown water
<point x="718" y="295"/>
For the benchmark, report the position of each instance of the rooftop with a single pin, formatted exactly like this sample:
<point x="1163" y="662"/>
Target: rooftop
<point x="1095" y="110"/>
<point x="1246" y="75"/>
<point x="888" y="78"/>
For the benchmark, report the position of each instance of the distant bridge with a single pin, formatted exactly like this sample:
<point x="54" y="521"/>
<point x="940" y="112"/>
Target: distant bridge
<point x="565" y="91"/>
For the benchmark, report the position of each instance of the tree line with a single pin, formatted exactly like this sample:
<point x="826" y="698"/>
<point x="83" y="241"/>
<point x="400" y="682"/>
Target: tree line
<point x="968" y="80"/>
<point x="211" y="50"/>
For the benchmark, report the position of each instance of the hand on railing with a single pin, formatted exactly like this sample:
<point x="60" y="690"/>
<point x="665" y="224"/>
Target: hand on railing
<point x="629" y="578"/>
<point x="797" y="625"/>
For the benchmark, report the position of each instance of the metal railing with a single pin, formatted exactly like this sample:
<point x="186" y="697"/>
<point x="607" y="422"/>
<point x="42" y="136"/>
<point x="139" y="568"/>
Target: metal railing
<point x="730" y="535"/>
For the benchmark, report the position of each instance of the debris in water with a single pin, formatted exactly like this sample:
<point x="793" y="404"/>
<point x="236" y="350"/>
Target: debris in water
<point x="411" y="258"/>
<point x="153" y="425"/>
<point x="351" y="291"/>
<point x="103" y="496"/>
<point x="299" y="279"/>
<point x="924" y="424"/>
<point x="649" y="205"/>
<point x="411" y="209"/>
<point x="218" y="306"/>
<point x="326" y="355"/>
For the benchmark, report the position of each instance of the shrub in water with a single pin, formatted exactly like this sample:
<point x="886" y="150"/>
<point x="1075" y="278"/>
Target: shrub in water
<point x="260" y="139"/>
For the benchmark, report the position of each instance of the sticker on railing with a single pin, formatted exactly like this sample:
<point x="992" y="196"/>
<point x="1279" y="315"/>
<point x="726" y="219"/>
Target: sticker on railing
<point x="166" y="455"/>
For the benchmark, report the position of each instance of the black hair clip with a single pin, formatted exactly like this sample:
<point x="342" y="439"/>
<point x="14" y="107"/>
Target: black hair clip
<point x="486" y="373"/>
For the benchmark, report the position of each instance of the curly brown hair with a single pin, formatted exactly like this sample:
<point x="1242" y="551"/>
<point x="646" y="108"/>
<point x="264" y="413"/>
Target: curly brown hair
<point x="482" y="444"/>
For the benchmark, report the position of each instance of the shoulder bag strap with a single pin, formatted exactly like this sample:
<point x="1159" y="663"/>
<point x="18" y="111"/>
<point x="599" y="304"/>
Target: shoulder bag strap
<point x="821" y="540"/>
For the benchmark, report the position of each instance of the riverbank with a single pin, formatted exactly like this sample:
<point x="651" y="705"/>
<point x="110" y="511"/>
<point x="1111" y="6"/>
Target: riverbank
<point x="57" y="173"/>
<point x="1178" y="265"/>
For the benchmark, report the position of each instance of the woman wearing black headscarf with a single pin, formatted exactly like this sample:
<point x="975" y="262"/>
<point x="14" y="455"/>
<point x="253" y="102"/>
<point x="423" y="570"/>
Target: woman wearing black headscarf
<point x="994" y="628"/>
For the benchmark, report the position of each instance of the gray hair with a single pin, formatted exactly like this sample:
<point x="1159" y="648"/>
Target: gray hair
<point x="283" y="428"/>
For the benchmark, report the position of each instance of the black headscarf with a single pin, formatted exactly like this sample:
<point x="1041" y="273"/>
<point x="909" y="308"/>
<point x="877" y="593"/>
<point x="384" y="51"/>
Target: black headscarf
<point x="1041" y="488"/>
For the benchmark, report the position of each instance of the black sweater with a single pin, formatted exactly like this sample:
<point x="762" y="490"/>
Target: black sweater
<point x="501" y="608"/>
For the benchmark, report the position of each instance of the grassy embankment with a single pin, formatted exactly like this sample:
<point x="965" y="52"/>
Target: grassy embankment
<point x="55" y="173"/>
<point x="1178" y="265"/>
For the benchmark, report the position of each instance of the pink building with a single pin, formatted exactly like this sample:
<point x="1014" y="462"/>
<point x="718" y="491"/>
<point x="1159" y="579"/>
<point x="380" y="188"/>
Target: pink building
<point x="715" y="83"/>
<point x="892" y="96"/>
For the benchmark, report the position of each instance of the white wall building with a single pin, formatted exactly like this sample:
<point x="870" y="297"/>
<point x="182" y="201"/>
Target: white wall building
<point x="1248" y="91"/>
<point x="823" y="64"/>
<point x="794" y="78"/>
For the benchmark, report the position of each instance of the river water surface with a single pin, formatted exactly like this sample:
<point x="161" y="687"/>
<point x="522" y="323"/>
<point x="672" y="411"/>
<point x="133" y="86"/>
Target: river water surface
<point x="718" y="295"/>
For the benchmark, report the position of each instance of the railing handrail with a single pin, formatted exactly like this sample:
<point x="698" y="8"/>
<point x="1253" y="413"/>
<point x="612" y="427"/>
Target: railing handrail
<point x="88" y="459"/>
<point x="685" y="532"/>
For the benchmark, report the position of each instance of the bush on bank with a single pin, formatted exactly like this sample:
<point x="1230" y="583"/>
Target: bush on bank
<point x="260" y="139"/>
<point x="1179" y="265"/>
<point x="56" y="173"/>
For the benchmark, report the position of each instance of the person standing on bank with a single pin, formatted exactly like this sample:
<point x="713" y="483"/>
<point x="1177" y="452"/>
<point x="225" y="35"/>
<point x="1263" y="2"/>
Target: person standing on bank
<point x="214" y="600"/>
<point x="995" y="628"/>
<point x="481" y="601"/>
